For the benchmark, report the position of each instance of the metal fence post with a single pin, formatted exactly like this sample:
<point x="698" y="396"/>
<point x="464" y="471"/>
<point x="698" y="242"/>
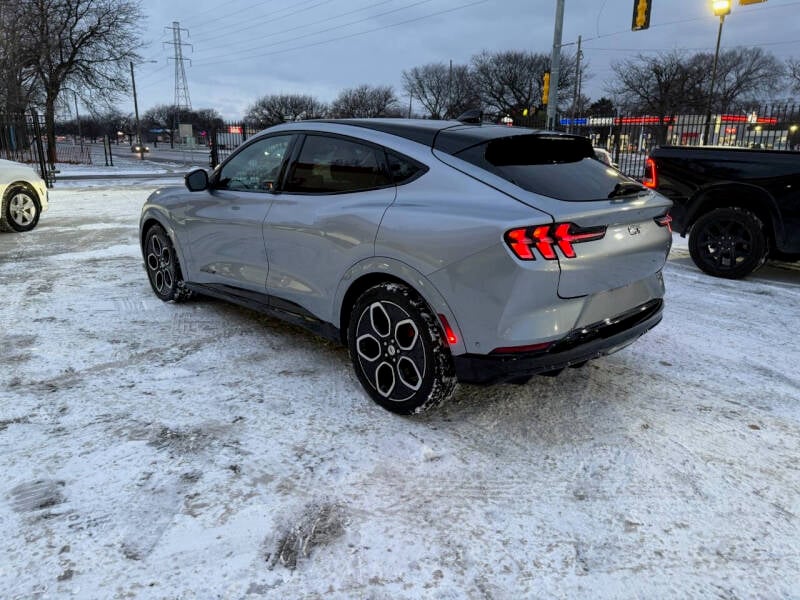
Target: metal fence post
<point x="214" y="157"/>
<point x="47" y="174"/>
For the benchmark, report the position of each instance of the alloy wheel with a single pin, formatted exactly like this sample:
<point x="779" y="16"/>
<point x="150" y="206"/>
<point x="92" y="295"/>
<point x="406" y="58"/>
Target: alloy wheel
<point x="725" y="244"/>
<point x="160" y="264"/>
<point x="22" y="209"/>
<point x="390" y="351"/>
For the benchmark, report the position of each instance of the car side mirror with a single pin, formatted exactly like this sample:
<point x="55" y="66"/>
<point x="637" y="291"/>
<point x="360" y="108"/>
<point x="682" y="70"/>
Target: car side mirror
<point x="197" y="180"/>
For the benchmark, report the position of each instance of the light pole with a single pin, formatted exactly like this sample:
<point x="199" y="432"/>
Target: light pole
<point x="136" y="112"/>
<point x="721" y="8"/>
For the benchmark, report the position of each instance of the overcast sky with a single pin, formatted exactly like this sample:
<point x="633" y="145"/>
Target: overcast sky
<point x="242" y="50"/>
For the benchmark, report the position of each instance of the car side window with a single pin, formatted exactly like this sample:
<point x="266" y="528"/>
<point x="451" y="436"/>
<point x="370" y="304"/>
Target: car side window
<point x="257" y="167"/>
<point x="329" y="165"/>
<point x="404" y="169"/>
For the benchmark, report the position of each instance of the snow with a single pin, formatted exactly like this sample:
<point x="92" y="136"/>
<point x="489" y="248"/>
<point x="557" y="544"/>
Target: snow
<point x="201" y="450"/>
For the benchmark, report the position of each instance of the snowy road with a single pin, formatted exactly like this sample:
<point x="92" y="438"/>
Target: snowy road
<point x="200" y="450"/>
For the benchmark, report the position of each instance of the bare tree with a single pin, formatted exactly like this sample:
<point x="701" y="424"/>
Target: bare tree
<point x="793" y="71"/>
<point x="661" y="85"/>
<point x="17" y="78"/>
<point x="279" y="108"/>
<point x="510" y="82"/>
<point x="745" y="76"/>
<point x="366" y="102"/>
<point x="444" y="91"/>
<point x="85" y="44"/>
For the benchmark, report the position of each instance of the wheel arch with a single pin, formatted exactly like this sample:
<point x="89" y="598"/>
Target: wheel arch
<point x="153" y="217"/>
<point x="28" y="187"/>
<point x="737" y="195"/>
<point x="370" y="272"/>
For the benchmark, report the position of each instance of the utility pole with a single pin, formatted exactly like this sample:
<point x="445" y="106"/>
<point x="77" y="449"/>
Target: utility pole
<point x="449" y="92"/>
<point x="136" y="114"/>
<point x="577" y="93"/>
<point x="555" y="62"/>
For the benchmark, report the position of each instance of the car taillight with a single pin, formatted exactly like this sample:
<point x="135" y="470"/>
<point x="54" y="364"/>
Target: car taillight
<point x="664" y="221"/>
<point x="650" y="175"/>
<point x="546" y="238"/>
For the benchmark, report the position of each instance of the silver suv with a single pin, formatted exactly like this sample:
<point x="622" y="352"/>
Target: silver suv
<point x="436" y="251"/>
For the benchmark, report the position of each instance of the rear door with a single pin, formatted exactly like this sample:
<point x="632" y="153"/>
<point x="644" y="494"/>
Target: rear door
<point x="560" y="175"/>
<point x="325" y="220"/>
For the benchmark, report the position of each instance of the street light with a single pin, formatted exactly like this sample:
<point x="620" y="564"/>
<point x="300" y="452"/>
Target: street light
<point x="136" y="111"/>
<point x="721" y="9"/>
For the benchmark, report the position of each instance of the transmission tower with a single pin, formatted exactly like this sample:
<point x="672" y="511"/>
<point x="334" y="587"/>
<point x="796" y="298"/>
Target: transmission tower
<point x="181" y="86"/>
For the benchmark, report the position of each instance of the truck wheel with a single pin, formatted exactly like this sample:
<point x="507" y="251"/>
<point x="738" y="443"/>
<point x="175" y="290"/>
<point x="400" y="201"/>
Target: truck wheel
<point x="728" y="242"/>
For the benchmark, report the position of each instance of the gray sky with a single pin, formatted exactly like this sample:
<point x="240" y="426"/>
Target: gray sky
<point x="244" y="49"/>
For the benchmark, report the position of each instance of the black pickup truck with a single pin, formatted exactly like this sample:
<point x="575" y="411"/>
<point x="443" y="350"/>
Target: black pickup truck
<point x="739" y="206"/>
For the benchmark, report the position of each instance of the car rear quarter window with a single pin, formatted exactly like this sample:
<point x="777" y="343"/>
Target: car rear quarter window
<point x="561" y="167"/>
<point x="404" y="169"/>
<point x="328" y="164"/>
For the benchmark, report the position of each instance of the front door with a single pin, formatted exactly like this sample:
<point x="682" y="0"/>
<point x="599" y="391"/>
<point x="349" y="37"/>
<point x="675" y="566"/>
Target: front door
<point x="225" y="227"/>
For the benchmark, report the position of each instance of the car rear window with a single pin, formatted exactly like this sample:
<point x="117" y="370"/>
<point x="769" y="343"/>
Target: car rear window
<point x="561" y="167"/>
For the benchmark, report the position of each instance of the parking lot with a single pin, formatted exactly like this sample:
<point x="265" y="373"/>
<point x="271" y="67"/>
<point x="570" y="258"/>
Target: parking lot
<point x="201" y="450"/>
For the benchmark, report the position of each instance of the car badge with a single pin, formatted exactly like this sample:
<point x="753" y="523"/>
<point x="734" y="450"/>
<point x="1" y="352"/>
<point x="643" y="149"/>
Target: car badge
<point x="634" y="229"/>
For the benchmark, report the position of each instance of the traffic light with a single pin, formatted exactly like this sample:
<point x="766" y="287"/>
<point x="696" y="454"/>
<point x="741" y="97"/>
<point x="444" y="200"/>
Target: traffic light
<point x="641" y="14"/>
<point x="545" y="87"/>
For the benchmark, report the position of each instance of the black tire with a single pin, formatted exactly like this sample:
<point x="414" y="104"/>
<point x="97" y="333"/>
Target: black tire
<point x="21" y="209"/>
<point x="399" y="351"/>
<point x="728" y="242"/>
<point x="163" y="267"/>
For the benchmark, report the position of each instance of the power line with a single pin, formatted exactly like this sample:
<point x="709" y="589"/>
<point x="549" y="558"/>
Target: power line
<point x="352" y="35"/>
<point x="229" y="14"/>
<point x="334" y="28"/>
<point x="225" y="30"/>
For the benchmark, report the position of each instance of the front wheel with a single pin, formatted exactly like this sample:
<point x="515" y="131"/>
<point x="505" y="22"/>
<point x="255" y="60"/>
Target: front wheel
<point x="20" y="210"/>
<point x="399" y="351"/>
<point x="163" y="268"/>
<point x="728" y="242"/>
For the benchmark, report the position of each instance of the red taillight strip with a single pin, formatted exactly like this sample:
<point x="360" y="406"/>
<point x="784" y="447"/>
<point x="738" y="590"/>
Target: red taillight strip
<point x="519" y="242"/>
<point x="650" y="180"/>
<point x="566" y="238"/>
<point x="544" y="243"/>
<point x="546" y="237"/>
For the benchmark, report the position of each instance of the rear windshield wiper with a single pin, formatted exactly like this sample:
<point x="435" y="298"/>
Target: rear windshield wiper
<point x="627" y="188"/>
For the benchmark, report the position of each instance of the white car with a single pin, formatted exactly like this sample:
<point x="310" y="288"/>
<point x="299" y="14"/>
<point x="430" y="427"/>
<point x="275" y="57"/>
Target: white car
<point x="24" y="196"/>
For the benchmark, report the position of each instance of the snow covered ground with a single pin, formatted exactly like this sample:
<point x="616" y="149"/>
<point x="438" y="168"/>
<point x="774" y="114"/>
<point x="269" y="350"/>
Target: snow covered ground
<point x="200" y="450"/>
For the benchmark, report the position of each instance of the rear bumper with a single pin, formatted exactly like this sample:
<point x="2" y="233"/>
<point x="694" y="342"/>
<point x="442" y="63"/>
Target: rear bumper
<point x="586" y="343"/>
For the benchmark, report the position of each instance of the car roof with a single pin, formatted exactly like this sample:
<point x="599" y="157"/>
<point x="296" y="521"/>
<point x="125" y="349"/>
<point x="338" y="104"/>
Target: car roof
<point x="446" y="135"/>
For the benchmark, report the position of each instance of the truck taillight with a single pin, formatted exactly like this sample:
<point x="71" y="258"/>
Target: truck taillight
<point x="650" y="175"/>
<point x="546" y="238"/>
<point x="664" y="221"/>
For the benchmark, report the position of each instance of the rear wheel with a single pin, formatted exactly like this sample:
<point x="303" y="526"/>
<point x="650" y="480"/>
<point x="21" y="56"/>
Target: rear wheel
<point x="728" y="242"/>
<point x="163" y="268"/>
<point x="399" y="351"/>
<point x="20" y="211"/>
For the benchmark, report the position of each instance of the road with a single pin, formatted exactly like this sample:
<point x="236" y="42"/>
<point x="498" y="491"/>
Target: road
<point x="200" y="450"/>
